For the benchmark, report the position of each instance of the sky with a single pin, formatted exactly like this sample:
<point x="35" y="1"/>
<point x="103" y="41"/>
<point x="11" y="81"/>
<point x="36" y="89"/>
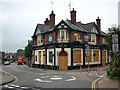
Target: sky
<point x="18" y="18"/>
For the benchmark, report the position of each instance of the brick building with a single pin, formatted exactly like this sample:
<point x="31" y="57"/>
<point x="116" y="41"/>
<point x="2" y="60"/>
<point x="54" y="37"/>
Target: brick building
<point x="64" y="45"/>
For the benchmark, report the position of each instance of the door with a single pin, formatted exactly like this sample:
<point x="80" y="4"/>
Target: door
<point x="104" y="53"/>
<point x="40" y="58"/>
<point x="63" y="60"/>
<point x="96" y="55"/>
<point x="44" y="57"/>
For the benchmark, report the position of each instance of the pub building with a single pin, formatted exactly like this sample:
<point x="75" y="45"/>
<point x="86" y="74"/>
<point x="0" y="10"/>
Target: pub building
<point x="63" y="46"/>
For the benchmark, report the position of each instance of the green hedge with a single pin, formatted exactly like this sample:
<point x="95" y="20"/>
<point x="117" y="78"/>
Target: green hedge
<point x="114" y="67"/>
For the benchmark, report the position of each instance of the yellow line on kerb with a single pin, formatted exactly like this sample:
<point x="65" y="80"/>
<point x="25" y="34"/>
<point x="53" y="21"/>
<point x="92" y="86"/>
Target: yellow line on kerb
<point x="94" y="82"/>
<point x="16" y="79"/>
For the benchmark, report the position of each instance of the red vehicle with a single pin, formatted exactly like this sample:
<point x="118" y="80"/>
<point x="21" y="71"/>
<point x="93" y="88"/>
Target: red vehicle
<point x="19" y="60"/>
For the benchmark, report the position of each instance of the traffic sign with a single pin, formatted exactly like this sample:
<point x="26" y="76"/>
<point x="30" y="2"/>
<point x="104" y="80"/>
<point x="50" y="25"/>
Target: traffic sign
<point x="115" y="47"/>
<point x="115" y="38"/>
<point x="87" y="50"/>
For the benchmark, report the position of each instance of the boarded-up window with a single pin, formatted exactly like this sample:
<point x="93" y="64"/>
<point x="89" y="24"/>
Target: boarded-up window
<point x="77" y="56"/>
<point x="96" y="55"/>
<point x="88" y="59"/>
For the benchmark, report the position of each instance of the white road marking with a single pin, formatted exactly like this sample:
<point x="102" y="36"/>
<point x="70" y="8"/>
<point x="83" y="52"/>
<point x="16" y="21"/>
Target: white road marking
<point x="17" y="86"/>
<point x="55" y="78"/>
<point x="41" y="80"/>
<point x="10" y="87"/>
<point x="24" y="87"/>
<point x="5" y="85"/>
<point x="73" y="78"/>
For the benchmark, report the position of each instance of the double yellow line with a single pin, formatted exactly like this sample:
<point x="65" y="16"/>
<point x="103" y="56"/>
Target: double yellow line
<point x="94" y="82"/>
<point x="16" y="79"/>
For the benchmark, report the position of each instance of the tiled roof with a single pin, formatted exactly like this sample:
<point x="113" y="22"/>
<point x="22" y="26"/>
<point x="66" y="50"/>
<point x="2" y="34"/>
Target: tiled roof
<point x="75" y="27"/>
<point x="43" y="28"/>
<point x="87" y="26"/>
<point x="79" y="26"/>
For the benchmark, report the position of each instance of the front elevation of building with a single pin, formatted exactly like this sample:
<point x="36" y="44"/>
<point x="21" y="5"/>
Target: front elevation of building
<point x="63" y="46"/>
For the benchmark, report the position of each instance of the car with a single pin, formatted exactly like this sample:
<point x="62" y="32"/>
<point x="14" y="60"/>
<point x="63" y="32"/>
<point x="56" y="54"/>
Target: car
<point x="7" y="63"/>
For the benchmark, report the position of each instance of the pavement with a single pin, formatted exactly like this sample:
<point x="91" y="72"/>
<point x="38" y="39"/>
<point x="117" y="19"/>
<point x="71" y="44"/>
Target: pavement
<point x="6" y="78"/>
<point x="104" y="83"/>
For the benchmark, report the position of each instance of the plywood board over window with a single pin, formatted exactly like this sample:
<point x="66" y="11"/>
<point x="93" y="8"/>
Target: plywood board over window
<point x="88" y="59"/>
<point x="96" y="55"/>
<point x="44" y="57"/>
<point x="76" y="56"/>
<point x="104" y="53"/>
<point x="40" y="57"/>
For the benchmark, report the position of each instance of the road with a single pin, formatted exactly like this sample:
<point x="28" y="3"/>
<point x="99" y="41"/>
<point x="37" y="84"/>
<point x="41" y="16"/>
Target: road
<point x="36" y="79"/>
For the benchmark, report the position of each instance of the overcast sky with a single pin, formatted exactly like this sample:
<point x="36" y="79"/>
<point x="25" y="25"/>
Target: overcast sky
<point x="18" y="18"/>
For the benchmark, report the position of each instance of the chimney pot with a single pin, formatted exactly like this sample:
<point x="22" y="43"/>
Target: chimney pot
<point x="52" y="20"/>
<point x="73" y="16"/>
<point x="98" y="21"/>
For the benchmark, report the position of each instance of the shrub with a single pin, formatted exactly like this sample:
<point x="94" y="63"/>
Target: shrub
<point x="114" y="67"/>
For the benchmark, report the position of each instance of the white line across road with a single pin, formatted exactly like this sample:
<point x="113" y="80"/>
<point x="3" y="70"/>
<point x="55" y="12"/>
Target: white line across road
<point x="40" y="80"/>
<point x="73" y="78"/>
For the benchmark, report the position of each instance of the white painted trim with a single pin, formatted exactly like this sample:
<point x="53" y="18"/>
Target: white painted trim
<point x="92" y="50"/>
<point x="37" y="53"/>
<point x="48" y="63"/>
<point x="68" y="50"/>
<point x="57" y="57"/>
<point x="81" y="56"/>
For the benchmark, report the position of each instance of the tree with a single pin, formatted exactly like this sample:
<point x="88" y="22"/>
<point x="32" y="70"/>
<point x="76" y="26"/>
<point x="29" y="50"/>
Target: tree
<point x="114" y="67"/>
<point x="28" y="50"/>
<point x="111" y="31"/>
<point x="20" y="52"/>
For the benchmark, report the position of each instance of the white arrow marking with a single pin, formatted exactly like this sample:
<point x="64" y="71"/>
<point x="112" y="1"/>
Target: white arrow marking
<point x="55" y="78"/>
<point x="41" y="80"/>
<point x="71" y="79"/>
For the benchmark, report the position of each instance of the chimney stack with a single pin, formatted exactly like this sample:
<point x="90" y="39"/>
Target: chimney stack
<point x="73" y="16"/>
<point x="98" y="21"/>
<point x="52" y="20"/>
<point x="46" y="22"/>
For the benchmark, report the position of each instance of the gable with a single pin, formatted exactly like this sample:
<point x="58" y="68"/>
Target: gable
<point x="38" y="31"/>
<point x="62" y="25"/>
<point x="94" y="30"/>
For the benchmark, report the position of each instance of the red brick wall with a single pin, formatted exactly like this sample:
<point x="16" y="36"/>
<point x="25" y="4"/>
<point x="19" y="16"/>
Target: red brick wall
<point x="46" y="39"/>
<point x="54" y="36"/>
<point x="73" y="36"/>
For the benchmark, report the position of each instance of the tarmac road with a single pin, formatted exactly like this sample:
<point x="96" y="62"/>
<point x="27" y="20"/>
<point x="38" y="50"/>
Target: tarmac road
<point x="30" y="78"/>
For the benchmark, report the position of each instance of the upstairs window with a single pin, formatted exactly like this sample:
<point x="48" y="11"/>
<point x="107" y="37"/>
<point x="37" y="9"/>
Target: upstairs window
<point x="92" y="38"/>
<point x="63" y="34"/>
<point x="40" y="39"/>
<point x="77" y="37"/>
<point x="104" y="41"/>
